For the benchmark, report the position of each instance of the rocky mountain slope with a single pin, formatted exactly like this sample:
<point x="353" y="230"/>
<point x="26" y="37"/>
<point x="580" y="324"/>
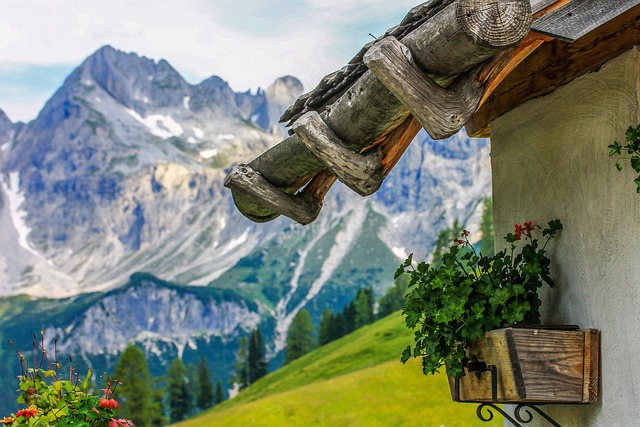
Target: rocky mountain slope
<point x="121" y="173"/>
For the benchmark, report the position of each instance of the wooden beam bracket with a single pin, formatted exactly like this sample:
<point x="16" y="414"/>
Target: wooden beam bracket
<point x="303" y="208"/>
<point x="363" y="173"/>
<point x="442" y="112"/>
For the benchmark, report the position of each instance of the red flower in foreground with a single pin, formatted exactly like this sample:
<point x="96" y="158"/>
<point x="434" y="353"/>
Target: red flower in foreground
<point x="27" y="413"/>
<point x="121" y="422"/>
<point x="108" y="403"/>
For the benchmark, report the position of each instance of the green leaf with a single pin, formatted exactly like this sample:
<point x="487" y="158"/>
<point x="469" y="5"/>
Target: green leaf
<point x="614" y="149"/>
<point x="85" y="383"/>
<point x="406" y="354"/>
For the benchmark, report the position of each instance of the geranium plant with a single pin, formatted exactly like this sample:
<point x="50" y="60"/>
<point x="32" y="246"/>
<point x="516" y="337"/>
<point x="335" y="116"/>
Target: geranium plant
<point x="52" y="400"/>
<point x="466" y="294"/>
<point x="632" y="151"/>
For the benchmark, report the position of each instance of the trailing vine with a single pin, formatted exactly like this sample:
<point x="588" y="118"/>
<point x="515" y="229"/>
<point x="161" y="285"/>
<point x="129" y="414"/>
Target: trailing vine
<point x="632" y="151"/>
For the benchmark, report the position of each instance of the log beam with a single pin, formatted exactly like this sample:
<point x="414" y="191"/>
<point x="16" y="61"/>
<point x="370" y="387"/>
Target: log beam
<point x="301" y="208"/>
<point x="360" y="172"/>
<point x="442" y="112"/>
<point x="462" y="35"/>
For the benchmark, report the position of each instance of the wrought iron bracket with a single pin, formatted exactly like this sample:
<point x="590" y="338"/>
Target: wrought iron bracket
<point x="519" y="418"/>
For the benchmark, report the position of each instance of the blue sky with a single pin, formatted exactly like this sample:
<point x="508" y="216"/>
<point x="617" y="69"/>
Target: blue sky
<point x="249" y="43"/>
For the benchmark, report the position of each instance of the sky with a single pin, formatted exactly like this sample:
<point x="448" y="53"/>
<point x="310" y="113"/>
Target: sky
<point x="248" y="43"/>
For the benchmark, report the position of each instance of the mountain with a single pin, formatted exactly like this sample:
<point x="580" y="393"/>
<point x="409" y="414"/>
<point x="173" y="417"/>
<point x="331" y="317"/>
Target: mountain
<point x="121" y="174"/>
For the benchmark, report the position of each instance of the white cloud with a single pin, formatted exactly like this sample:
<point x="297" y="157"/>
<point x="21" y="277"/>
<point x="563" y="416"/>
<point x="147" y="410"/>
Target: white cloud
<point x="247" y="42"/>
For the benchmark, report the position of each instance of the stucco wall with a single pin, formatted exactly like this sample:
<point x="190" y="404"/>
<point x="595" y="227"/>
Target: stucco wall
<point x="550" y="160"/>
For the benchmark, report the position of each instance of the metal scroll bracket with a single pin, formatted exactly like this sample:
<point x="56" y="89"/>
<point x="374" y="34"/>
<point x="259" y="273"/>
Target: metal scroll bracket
<point x="522" y="413"/>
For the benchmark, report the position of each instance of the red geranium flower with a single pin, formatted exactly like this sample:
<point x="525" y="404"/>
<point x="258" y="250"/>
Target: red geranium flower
<point x="108" y="403"/>
<point x="27" y="413"/>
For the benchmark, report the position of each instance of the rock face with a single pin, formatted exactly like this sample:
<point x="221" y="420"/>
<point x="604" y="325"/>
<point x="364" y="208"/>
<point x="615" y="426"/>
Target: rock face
<point x="121" y="173"/>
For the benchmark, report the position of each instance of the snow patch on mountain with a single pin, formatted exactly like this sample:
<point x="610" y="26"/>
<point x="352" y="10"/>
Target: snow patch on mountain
<point x="159" y="125"/>
<point x="15" y="200"/>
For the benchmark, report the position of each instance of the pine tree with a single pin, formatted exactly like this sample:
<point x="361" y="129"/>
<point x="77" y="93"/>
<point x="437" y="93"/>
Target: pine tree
<point x="326" y="325"/>
<point x="219" y="393"/>
<point x="205" y="397"/>
<point x="136" y="394"/>
<point x="444" y="242"/>
<point x="393" y="299"/>
<point x="363" y="304"/>
<point x="486" y="229"/>
<point x="178" y="389"/>
<point x="256" y="360"/>
<point x="157" y="401"/>
<point x="349" y="318"/>
<point x="299" y="336"/>
<point x="241" y="376"/>
<point x="337" y="328"/>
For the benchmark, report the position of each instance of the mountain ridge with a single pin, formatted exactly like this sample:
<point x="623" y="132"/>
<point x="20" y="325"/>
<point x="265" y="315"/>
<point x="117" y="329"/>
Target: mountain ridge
<point x="102" y="186"/>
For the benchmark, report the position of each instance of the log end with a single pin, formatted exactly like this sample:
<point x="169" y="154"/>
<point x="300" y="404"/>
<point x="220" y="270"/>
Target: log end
<point x="495" y="23"/>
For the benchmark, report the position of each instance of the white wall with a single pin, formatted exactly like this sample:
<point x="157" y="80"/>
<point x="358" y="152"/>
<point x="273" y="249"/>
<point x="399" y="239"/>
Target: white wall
<point x="550" y="160"/>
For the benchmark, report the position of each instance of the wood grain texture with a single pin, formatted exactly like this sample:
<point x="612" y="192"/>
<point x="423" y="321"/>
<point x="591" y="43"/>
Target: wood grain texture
<point x="555" y="64"/>
<point x="367" y="110"/>
<point x="552" y="364"/>
<point x="303" y="208"/>
<point x="493" y="349"/>
<point x="360" y="172"/>
<point x="591" y="366"/>
<point x="579" y="17"/>
<point x="534" y="365"/>
<point x="442" y="112"/>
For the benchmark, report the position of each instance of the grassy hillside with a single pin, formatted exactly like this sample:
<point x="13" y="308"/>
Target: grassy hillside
<point x="354" y="381"/>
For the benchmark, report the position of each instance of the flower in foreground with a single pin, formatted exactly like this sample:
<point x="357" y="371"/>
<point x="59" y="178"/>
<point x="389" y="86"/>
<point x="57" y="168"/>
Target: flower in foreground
<point x="108" y="404"/>
<point x="7" y="420"/>
<point x="121" y="422"/>
<point x="27" y="413"/>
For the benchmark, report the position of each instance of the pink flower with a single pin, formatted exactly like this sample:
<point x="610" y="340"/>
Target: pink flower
<point x="121" y="422"/>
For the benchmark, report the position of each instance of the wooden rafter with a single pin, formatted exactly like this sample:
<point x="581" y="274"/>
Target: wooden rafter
<point x="466" y="33"/>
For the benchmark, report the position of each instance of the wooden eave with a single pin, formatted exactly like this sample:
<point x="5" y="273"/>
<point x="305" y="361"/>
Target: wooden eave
<point x="357" y="124"/>
<point x="554" y="63"/>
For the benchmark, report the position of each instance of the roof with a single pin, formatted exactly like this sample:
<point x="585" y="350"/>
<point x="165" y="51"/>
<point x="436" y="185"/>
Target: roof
<point x="448" y="64"/>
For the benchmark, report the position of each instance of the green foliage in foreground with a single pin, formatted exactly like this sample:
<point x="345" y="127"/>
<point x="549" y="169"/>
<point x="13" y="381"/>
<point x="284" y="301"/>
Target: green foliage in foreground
<point x="632" y="151"/>
<point x="354" y="381"/>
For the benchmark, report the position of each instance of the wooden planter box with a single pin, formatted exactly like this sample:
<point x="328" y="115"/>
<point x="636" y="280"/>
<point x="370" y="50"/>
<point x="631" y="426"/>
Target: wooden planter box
<point x="533" y="365"/>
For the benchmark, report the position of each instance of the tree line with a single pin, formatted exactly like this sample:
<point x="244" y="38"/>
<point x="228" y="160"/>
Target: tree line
<point x="188" y="390"/>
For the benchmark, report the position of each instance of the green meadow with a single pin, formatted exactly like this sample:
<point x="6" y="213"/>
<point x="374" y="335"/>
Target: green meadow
<point x="355" y="381"/>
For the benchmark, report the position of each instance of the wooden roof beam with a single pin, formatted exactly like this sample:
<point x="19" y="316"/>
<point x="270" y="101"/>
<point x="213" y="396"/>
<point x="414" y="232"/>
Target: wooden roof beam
<point x="553" y="64"/>
<point x="442" y="112"/>
<point x="455" y="40"/>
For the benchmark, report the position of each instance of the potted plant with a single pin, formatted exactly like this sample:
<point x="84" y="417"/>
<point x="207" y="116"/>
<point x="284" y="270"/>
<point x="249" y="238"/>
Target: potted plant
<point x="464" y="309"/>
<point x="52" y="400"/>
